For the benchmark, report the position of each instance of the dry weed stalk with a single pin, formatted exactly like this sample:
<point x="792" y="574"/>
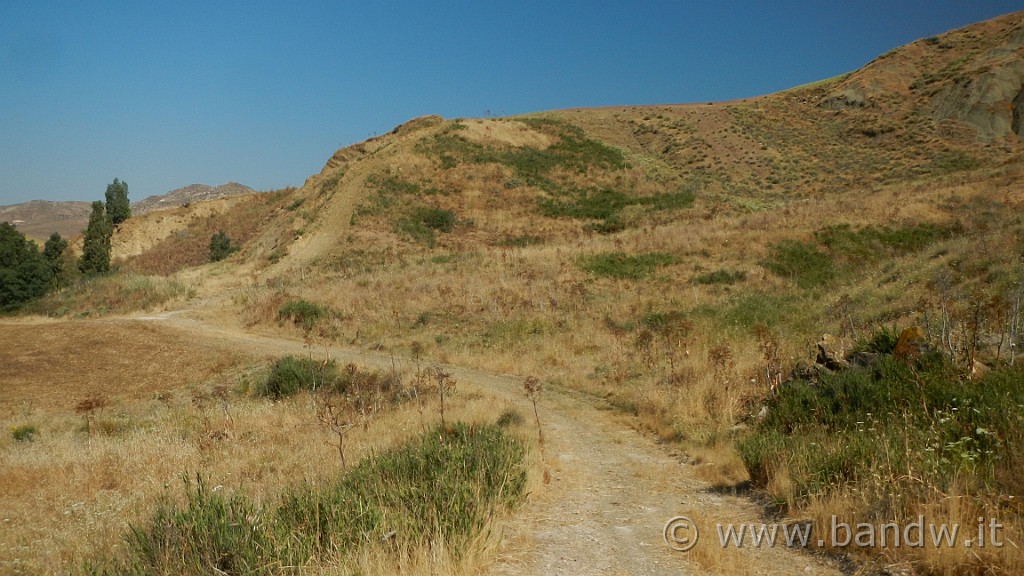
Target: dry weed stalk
<point x="771" y="356"/>
<point x="332" y="414"/>
<point x="533" y="388"/>
<point x="445" y="386"/>
<point x="89" y="407"/>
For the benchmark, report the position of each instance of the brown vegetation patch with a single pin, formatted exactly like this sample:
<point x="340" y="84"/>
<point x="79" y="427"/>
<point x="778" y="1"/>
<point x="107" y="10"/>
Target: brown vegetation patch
<point x="53" y="365"/>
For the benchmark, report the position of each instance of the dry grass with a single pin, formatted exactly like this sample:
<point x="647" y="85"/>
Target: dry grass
<point x="504" y="289"/>
<point x="533" y="309"/>
<point x="189" y="244"/>
<point x="178" y="408"/>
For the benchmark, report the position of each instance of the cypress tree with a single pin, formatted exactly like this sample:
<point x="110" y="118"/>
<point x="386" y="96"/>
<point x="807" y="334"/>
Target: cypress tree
<point x="96" y="246"/>
<point x="118" y="207"/>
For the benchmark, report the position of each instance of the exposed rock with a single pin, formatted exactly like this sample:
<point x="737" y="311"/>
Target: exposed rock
<point x="805" y="372"/>
<point x="911" y="344"/>
<point x="863" y="359"/>
<point x="978" y="371"/>
<point x="830" y="353"/>
<point x="990" y="102"/>
<point x="846" y="99"/>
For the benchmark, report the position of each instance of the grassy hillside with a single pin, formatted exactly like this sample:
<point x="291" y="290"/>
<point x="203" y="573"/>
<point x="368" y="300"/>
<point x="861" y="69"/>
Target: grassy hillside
<point x="682" y="261"/>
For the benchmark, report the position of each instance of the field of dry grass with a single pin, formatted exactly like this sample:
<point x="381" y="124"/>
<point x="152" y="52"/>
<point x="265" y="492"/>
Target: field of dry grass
<point x="165" y="405"/>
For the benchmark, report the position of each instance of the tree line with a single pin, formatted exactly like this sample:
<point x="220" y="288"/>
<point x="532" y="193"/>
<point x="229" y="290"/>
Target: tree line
<point x="27" y="273"/>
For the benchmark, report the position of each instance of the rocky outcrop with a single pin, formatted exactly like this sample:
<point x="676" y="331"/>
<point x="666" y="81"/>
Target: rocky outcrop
<point x="988" y="92"/>
<point x="989" y="102"/>
<point x="911" y="344"/>
<point x="845" y="99"/>
<point x="830" y="353"/>
<point x="190" y="194"/>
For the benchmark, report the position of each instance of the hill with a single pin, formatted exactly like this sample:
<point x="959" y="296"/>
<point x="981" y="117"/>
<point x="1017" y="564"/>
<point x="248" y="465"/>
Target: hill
<point x="682" y="263"/>
<point x="38" y="219"/>
<point x="188" y="195"/>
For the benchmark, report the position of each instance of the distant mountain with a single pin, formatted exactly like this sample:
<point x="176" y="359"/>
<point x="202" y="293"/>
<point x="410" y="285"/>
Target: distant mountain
<point x="38" y="219"/>
<point x="189" y="194"/>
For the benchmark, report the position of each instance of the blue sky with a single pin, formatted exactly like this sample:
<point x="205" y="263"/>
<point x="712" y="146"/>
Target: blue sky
<point x="165" y="94"/>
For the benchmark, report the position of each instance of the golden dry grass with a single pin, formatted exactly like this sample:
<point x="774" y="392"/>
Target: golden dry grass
<point x="177" y="407"/>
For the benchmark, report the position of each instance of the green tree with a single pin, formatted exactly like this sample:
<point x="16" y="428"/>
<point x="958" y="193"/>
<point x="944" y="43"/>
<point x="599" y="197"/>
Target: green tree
<point x="118" y="207"/>
<point x="24" y="274"/>
<point x="220" y="247"/>
<point x="53" y="252"/>
<point x="96" y="246"/>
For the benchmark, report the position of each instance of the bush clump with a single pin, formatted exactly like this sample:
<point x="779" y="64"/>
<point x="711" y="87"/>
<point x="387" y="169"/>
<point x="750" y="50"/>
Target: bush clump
<point x="303" y="313"/>
<point x="441" y="489"/>
<point x="720" y="277"/>
<point x="291" y="374"/>
<point x="24" y="433"/>
<point x="624" y="266"/>
<point x="893" y="427"/>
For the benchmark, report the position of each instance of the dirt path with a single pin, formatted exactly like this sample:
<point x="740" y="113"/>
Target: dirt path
<point x="611" y="490"/>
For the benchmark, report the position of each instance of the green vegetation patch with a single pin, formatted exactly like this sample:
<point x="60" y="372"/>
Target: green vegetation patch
<point x="571" y="152"/>
<point x="838" y="251"/>
<point x="118" y="294"/>
<point x="399" y="200"/>
<point x="721" y="276"/>
<point x="909" y="430"/>
<point x="749" y="310"/>
<point x="24" y="433"/>
<point x="303" y="313"/>
<point x="606" y="205"/>
<point x="291" y="374"/>
<point x="801" y="262"/>
<point x="421" y="222"/>
<point x="625" y="266"/>
<point x="441" y="489"/>
<point x="872" y="243"/>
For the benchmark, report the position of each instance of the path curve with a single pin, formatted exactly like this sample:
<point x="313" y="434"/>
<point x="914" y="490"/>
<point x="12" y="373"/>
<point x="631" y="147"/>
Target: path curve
<point x="611" y="489"/>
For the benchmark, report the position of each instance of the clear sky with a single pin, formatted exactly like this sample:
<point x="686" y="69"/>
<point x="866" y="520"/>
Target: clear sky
<point x="166" y="94"/>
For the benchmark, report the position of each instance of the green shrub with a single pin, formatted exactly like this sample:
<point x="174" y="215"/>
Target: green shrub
<point x="209" y="532"/>
<point x="606" y="205"/>
<point x="221" y="247"/>
<point x="873" y="243"/>
<point x="625" y="266"/>
<point x="444" y="485"/>
<point x="802" y="262"/>
<point x="290" y="374"/>
<point x="303" y="313"/>
<point x="571" y="152"/>
<point x="881" y="341"/>
<point x="438" y="219"/>
<point x="920" y="423"/>
<point x="24" y="433"/>
<point x="422" y="221"/>
<point x="441" y="489"/>
<point x="720" y="277"/>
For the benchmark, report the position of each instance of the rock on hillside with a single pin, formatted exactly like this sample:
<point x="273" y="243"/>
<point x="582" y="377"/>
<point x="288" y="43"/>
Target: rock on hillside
<point x="971" y="78"/>
<point x="188" y="195"/>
